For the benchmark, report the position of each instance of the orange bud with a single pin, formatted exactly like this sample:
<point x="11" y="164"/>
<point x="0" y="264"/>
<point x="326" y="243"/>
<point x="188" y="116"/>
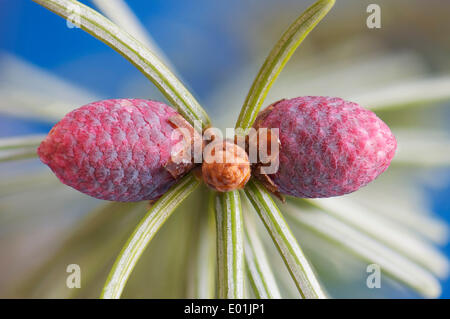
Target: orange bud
<point x="225" y="167"/>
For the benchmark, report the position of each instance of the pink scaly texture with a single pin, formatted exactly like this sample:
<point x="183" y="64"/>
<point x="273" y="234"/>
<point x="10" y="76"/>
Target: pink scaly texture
<point x="114" y="150"/>
<point x="329" y="147"/>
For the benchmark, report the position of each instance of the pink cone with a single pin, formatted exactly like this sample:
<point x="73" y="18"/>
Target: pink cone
<point x="114" y="150"/>
<point x="329" y="147"/>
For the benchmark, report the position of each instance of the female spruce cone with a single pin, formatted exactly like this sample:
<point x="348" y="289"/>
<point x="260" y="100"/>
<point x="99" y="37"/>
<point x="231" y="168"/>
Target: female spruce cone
<point x="118" y="150"/>
<point x="328" y="146"/>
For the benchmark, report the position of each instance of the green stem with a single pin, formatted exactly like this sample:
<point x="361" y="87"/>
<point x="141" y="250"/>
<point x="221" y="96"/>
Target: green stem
<point x="278" y="57"/>
<point x="17" y="154"/>
<point x="143" y="234"/>
<point x="134" y="51"/>
<point x="259" y="270"/>
<point x="296" y="262"/>
<point x="230" y="250"/>
<point x="205" y="270"/>
<point x="21" y="142"/>
<point x="17" y="148"/>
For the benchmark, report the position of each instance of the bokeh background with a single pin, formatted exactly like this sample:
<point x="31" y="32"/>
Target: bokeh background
<point x="217" y="48"/>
